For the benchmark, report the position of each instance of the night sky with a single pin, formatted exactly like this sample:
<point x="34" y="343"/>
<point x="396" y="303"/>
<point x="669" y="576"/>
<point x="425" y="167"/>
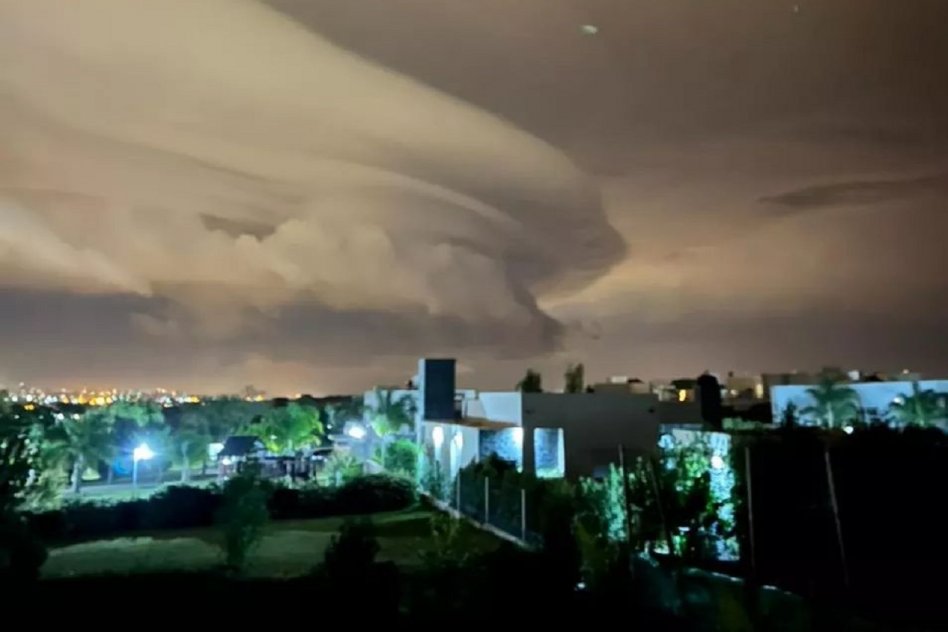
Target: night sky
<point x="306" y="195"/>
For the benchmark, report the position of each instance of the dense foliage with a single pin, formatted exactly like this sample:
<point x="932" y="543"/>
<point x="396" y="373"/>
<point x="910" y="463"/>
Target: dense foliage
<point x="189" y="507"/>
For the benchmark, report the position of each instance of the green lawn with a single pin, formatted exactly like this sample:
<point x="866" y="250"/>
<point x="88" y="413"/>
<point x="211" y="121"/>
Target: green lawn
<point x="289" y="548"/>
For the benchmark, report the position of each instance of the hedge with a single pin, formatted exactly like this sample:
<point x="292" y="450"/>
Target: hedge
<point x="182" y="507"/>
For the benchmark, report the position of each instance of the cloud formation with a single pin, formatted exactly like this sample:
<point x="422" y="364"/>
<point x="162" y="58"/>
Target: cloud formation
<point x="240" y="166"/>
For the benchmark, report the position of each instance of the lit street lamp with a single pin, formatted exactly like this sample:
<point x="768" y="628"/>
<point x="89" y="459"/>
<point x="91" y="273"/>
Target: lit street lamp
<point x="141" y="453"/>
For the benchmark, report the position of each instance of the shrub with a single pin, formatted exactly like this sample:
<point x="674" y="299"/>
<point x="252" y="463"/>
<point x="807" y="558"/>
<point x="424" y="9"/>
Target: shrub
<point x="243" y="516"/>
<point x="181" y="507"/>
<point x="401" y="457"/>
<point x="376" y="492"/>
<point x="342" y="468"/>
<point x="21" y="553"/>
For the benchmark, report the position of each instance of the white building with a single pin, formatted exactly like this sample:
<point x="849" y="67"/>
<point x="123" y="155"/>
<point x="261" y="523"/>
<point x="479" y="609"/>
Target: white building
<point x="548" y="434"/>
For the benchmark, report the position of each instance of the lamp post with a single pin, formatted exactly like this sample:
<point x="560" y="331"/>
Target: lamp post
<point x="141" y="453"/>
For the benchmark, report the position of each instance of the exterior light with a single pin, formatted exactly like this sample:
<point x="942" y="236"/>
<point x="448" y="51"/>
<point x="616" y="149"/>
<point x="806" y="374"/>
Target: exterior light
<point x="141" y="453"/>
<point x="682" y="395"/>
<point x="437" y="436"/>
<point x="717" y="462"/>
<point x="848" y="429"/>
<point x="356" y="431"/>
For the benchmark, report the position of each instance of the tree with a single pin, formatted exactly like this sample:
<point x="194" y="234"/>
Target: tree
<point x="126" y="421"/>
<point x="226" y="416"/>
<point x="788" y="418"/>
<point x="709" y="394"/>
<point x="189" y="444"/>
<point x="388" y="414"/>
<point x="84" y="442"/>
<point x="21" y="553"/>
<point x="834" y="403"/>
<point x="243" y="516"/>
<point x="532" y="382"/>
<point x="288" y="429"/>
<point x="575" y="378"/>
<point x="921" y="408"/>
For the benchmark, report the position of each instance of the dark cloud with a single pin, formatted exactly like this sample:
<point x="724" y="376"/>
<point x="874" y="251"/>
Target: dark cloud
<point x="237" y="228"/>
<point x="861" y="193"/>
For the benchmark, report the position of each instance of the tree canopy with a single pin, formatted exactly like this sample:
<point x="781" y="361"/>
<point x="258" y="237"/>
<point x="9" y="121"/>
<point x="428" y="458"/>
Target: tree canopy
<point x="532" y="382"/>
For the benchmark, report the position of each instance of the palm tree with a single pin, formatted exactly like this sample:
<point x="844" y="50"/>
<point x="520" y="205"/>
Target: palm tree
<point x="834" y="403"/>
<point x="82" y="442"/>
<point x="388" y="414"/>
<point x="921" y="408"/>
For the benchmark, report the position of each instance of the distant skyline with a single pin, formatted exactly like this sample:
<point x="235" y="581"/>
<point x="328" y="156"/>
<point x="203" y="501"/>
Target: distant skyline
<point x="308" y="195"/>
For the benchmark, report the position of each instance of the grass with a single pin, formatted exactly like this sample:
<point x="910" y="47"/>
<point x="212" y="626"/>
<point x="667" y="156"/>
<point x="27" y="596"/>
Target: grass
<point x="289" y="548"/>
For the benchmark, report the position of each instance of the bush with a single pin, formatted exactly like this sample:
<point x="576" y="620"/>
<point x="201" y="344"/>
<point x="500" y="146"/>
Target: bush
<point x="342" y="468"/>
<point x="183" y="507"/>
<point x="401" y="457"/>
<point x="21" y="553"/>
<point x="243" y="515"/>
<point x="373" y="493"/>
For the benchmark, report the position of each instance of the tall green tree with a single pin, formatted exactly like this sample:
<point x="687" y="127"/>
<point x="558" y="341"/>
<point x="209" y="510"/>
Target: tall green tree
<point x="575" y="378"/>
<point x="290" y="428"/>
<point x="190" y="442"/>
<point x="921" y="408"/>
<point x="83" y="442"/>
<point x="532" y="382"/>
<point x="834" y="403"/>
<point x="227" y="416"/>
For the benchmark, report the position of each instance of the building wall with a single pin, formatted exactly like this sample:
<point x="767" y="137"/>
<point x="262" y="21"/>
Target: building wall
<point x="594" y="426"/>
<point x="451" y="453"/>
<point x="503" y="407"/>
<point x="679" y="412"/>
<point x="874" y="397"/>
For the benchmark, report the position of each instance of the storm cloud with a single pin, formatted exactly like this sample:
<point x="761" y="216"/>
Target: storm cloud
<point x="239" y="165"/>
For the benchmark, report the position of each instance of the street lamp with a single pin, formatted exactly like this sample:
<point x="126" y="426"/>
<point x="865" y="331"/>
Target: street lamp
<point x="141" y="453"/>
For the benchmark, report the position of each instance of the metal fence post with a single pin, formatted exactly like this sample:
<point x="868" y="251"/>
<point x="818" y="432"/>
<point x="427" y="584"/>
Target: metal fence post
<point x="834" y="503"/>
<point x="486" y="500"/>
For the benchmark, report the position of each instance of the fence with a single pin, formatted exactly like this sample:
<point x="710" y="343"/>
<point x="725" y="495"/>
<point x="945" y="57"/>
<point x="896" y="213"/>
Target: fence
<point x="501" y="504"/>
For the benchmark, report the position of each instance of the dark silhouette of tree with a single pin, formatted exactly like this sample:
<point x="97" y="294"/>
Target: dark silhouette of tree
<point x="532" y="382"/>
<point x="575" y="378"/>
<point x="788" y="417"/>
<point x="709" y="394"/>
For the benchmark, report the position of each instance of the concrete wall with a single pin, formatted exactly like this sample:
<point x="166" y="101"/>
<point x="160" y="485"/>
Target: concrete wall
<point x="874" y="397"/>
<point x="594" y="425"/>
<point x="503" y="407"/>
<point x="452" y="454"/>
